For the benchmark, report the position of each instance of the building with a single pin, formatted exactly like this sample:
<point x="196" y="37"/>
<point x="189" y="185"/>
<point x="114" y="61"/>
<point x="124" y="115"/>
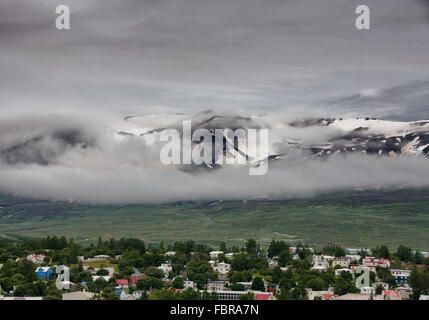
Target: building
<point x="135" y="277"/>
<point x="319" y="263"/>
<point x="343" y="262"/>
<point x="391" y="295"/>
<point x="78" y="295"/>
<point x="170" y="253"/>
<point x="101" y="257"/>
<point x="353" y="257"/>
<point x="222" y="269"/>
<point x="230" y="255"/>
<point x="234" y="295"/>
<point x="216" y="285"/>
<point x="122" y="283"/>
<point x="315" y="295"/>
<point x="353" y="296"/>
<point x="424" y="297"/>
<point x="215" y="254"/>
<point x="189" y="284"/>
<point x="36" y="258"/>
<point x="401" y="275"/>
<point x="166" y="268"/>
<point x="375" y="262"/>
<point x="45" y="273"/>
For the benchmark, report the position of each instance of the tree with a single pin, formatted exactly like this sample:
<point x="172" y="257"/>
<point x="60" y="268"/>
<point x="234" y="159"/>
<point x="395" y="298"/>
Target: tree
<point x="382" y="252"/>
<point x="178" y="283"/>
<point x="379" y="290"/>
<point x="251" y="246"/>
<point x="316" y="284"/>
<point x="190" y="294"/>
<point x="276" y="247"/>
<point x="404" y="253"/>
<point x="258" y="284"/>
<point x="247" y="296"/>
<point x="155" y="272"/>
<point x="284" y="258"/>
<point x="102" y="272"/>
<point x="237" y="287"/>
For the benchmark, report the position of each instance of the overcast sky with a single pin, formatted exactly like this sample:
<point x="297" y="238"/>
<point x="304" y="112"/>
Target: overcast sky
<point x="130" y="56"/>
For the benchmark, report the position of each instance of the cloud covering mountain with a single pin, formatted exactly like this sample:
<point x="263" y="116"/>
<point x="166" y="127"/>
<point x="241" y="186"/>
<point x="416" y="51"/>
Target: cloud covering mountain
<point x="107" y="159"/>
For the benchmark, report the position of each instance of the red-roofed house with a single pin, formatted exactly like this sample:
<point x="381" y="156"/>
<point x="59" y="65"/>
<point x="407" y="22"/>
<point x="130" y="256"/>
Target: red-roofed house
<point x="264" y="296"/>
<point x="135" y="277"/>
<point x="392" y="294"/>
<point x="123" y="283"/>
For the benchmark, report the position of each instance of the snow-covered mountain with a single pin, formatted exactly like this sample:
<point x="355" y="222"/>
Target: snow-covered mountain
<point x="288" y="138"/>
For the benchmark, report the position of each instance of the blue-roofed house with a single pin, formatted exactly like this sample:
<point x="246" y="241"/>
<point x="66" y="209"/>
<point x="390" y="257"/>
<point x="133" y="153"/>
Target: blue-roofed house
<point x="45" y="273"/>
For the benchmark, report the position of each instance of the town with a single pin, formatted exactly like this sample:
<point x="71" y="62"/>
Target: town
<point x="129" y="269"/>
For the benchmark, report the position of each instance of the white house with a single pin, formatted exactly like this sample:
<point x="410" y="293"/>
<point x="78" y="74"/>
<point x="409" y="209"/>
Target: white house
<point x="375" y="262"/>
<point x="215" y="254"/>
<point x="216" y="285"/>
<point x="36" y="258"/>
<point x="222" y="269"/>
<point x="319" y="263"/>
<point x="343" y="262"/>
<point x="166" y="268"/>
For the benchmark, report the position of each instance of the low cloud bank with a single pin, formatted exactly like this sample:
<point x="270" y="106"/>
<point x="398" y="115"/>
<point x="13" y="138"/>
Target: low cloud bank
<point x="90" y="159"/>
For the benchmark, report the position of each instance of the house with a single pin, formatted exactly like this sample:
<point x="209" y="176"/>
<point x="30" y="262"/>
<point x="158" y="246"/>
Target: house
<point x="353" y="296"/>
<point x="230" y="255"/>
<point x="166" y="268"/>
<point x="215" y="254"/>
<point x="216" y="285"/>
<point x="352" y="251"/>
<point x="170" y="253"/>
<point x="353" y="257"/>
<point x="36" y="258"/>
<point x="135" y="277"/>
<point x="375" y="262"/>
<point x="401" y="275"/>
<point x="189" y="284"/>
<point x="405" y="291"/>
<point x="101" y="257"/>
<point x="78" y="295"/>
<point x="424" y="297"/>
<point x="222" y="269"/>
<point x="312" y="295"/>
<point x="319" y="263"/>
<point x="271" y="287"/>
<point x="343" y="262"/>
<point x="122" y="283"/>
<point x="234" y="295"/>
<point x="45" y="273"/>
<point x="264" y="296"/>
<point x="391" y="295"/>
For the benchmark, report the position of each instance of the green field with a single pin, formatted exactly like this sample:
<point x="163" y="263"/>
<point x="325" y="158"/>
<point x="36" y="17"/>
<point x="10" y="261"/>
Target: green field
<point x="356" y="219"/>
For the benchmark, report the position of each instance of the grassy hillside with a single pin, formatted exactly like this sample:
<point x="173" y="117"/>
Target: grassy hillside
<point x="361" y="219"/>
